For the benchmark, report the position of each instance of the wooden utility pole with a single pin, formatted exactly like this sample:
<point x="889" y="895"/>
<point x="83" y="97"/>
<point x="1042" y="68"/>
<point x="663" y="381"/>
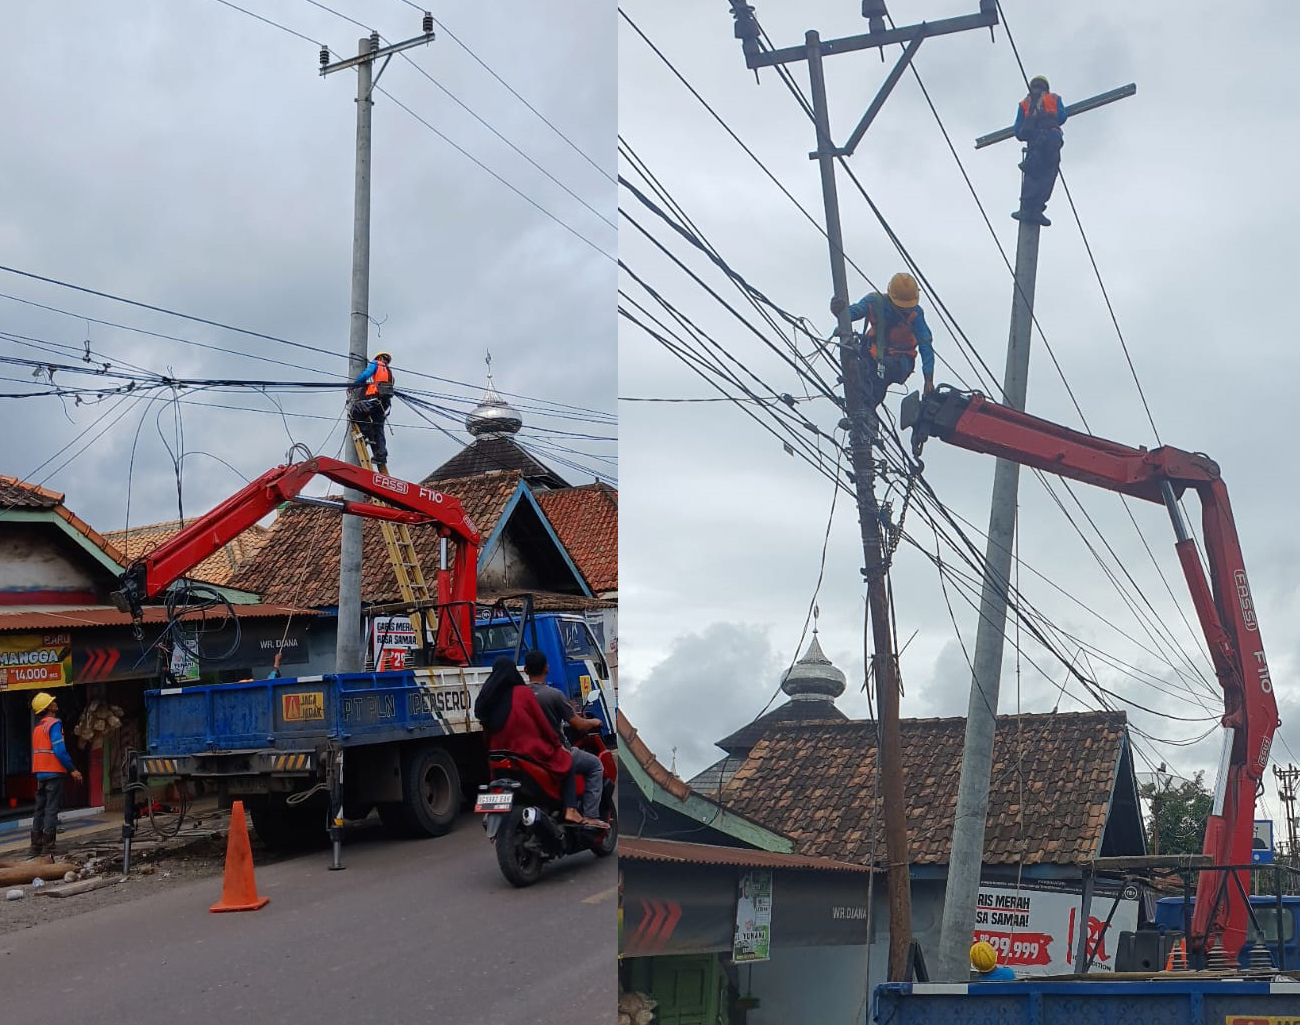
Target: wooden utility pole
<point x="860" y="416"/>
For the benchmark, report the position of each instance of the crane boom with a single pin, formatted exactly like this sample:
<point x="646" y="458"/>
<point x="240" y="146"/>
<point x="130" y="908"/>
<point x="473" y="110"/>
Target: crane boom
<point x="1223" y="605"/>
<point x="407" y="503"/>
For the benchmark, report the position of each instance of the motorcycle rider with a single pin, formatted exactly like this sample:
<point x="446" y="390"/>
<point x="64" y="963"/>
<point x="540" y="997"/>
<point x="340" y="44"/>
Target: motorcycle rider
<point x="514" y="721"/>
<point x="559" y="709"/>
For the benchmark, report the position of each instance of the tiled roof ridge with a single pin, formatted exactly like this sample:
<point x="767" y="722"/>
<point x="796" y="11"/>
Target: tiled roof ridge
<point x="54" y="496"/>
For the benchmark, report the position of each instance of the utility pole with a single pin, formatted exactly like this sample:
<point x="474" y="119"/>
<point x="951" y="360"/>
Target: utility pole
<point x="348" y="644"/>
<point x="967" y="852"/>
<point x="860" y="418"/>
<point x="1286" y="790"/>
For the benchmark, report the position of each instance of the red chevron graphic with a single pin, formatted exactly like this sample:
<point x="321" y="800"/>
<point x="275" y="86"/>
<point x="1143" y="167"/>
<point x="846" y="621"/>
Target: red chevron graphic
<point x="672" y="915"/>
<point x="658" y="920"/>
<point x="99" y="663"/>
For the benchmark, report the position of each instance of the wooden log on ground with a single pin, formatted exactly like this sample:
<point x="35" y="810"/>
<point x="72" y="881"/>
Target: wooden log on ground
<point x="82" y="886"/>
<point x="25" y="871"/>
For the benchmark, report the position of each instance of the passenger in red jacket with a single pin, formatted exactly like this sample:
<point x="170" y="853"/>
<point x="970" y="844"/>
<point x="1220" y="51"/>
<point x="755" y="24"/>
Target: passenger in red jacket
<point x="514" y="721"/>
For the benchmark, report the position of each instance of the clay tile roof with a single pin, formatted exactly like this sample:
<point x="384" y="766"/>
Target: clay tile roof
<point x="299" y="564"/>
<point x="682" y="853"/>
<point x="586" y="520"/>
<point x="18" y="494"/>
<point x="630" y="740"/>
<point x="814" y="783"/>
<point x="218" y="568"/>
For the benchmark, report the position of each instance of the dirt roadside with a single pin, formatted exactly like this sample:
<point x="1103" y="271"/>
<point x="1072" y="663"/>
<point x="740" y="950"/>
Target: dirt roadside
<point x="196" y="852"/>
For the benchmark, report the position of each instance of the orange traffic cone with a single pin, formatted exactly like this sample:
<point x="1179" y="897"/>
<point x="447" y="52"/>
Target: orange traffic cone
<point x="239" y="891"/>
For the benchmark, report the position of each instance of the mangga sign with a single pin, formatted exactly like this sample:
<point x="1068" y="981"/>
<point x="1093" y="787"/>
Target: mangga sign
<point x="35" y="661"/>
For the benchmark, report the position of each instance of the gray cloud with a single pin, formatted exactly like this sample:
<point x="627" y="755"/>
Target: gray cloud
<point x="191" y="157"/>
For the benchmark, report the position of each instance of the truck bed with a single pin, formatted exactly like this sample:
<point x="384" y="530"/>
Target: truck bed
<point x="1174" y="1001"/>
<point x="303" y="713"/>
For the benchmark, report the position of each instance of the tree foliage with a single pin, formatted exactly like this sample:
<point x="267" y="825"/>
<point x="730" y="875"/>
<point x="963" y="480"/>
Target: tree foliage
<point x="1177" y="815"/>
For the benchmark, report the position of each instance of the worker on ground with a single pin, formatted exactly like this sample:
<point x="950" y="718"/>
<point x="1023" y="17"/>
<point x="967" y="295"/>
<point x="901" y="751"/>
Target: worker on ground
<point x="558" y="709"/>
<point x="984" y="962"/>
<point x="514" y="721"/>
<point x="369" y="408"/>
<point x="51" y="765"/>
<point x="1038" y="125"/>
<point x="898" y="315"/>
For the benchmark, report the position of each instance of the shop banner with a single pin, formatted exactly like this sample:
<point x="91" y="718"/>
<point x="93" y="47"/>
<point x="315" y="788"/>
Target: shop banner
<point x="185" y="660"/>
<point x="392" y="640"/>
<point x="1036" y="931"/>
<point x="35" y="661"/>
<point x="753" y="937"/>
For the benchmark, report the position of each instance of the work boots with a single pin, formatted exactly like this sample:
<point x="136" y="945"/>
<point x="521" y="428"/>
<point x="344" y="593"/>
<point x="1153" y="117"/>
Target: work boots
<point x="38" y="844"/>
<point x="51" y="844"/>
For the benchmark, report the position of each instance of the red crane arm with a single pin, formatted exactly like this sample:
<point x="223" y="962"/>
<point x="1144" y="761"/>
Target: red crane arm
<point x="1223" y="603"/>
<point x="150" y="575"/>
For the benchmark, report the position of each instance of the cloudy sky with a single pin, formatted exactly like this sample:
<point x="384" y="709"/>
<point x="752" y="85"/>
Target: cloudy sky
<point x="185" y="155"/>
<point x="1184" y="192"/>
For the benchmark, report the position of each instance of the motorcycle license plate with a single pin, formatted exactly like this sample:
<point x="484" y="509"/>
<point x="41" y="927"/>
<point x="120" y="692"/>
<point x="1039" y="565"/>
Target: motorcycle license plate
<point x="489" y="803"/>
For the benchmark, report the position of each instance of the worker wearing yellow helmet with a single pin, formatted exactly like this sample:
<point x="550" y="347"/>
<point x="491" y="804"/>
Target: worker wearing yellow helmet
<point x="1038" y="124"/>
<point x="896" y="315"/>
<point x="373" y="394"/>
<point x="984" y="962"/>
<point x="51" y="765"/>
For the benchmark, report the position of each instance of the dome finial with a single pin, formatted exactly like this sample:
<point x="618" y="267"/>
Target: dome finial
<point x="493" y="417"/>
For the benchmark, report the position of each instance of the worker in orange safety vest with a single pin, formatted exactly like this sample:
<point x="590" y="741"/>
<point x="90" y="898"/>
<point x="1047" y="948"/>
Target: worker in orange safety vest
<point x="369" y="409"/>
<point x="51" y="765"/>
<point x="896" y="315"/>
<point x="1038" y="124"/>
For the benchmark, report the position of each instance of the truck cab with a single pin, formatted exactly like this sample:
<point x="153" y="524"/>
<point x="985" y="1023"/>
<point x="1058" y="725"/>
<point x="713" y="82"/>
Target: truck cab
<point x="577" y="667"/>
<point x="1169" y="916"/>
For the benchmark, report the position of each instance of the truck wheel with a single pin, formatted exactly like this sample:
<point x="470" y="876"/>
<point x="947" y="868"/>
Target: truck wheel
<point x="430" y="790"/>
<point x="520" y="862"/>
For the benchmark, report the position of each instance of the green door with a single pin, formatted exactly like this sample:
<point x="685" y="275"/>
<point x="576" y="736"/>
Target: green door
<point x="691" y="989"/>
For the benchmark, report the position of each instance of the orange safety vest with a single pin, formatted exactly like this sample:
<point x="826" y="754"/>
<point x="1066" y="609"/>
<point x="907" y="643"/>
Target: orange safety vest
<point x="900" y="339"/>
<point x="380" y="384"/>
<point x="1047" y="111"/>
<point x="43" y="757"/>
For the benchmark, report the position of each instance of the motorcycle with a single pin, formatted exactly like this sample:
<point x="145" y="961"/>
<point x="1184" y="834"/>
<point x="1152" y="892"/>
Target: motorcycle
<point x="524" y="817"/>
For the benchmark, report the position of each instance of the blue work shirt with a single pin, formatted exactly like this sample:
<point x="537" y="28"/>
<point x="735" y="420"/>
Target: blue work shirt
<point x="999" y="974"/>
<point x="1020" y="116"/>
<point x="60" y="751"/>
<point x="366" y="374"/>
<point x="924" y="339"/>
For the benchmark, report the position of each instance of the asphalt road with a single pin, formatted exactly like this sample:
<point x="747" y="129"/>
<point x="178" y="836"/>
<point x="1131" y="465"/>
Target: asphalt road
<point x="411" y="931"/>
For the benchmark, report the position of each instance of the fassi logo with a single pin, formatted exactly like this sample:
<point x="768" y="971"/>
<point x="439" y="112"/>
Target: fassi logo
<point x="1243" y="596"/>
<point x="399" y="487"/>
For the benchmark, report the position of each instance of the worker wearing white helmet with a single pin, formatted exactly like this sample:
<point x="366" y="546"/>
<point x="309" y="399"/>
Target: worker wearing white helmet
<point x="898" y="317"/>
<point x="369" y="409"/>
<point x="1038" y="124"/>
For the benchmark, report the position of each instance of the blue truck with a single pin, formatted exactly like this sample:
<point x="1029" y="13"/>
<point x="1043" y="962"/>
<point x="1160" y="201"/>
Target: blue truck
<point x="404" y="742"/>
<point x="1273" y="918"/>
<point x="313" y="750"/>
<point x="1173" y="1001"/>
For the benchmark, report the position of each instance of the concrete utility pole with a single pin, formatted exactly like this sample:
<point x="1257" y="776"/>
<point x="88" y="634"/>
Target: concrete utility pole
<point x="860" y="417"/>
<point x="967" y="854"/>
<point x="348" y="644"/>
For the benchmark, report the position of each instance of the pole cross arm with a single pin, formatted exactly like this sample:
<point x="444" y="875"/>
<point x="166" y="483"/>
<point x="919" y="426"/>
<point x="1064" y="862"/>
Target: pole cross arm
<point x="987" y="17"/>
<point x="386" y="51"/>
<point x="1091" y="103"/>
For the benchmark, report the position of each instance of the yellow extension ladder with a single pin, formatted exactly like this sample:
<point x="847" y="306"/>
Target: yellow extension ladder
<point x="401" y="552"/>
